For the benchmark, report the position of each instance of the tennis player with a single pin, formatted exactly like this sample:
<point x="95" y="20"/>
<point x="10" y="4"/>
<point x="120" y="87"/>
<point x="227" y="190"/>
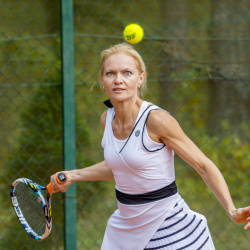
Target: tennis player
<point x="139" y="143"/>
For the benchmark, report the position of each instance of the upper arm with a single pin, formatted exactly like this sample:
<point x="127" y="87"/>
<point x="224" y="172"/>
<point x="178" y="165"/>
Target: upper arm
<point x="166" y="128"/>
<point x="103" y="119"/>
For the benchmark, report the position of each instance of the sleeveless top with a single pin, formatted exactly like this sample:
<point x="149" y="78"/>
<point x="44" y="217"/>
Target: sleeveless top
<point x="139" y="165"/>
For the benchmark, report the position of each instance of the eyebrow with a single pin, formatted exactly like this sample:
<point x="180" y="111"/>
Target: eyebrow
<point x="110" y="69"/>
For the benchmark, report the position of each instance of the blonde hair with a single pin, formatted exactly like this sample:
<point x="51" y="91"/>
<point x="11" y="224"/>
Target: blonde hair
<point x="130" y="51"/>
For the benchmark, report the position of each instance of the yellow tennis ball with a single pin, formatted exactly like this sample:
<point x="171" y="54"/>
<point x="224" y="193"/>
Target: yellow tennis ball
<point x="133" y="33"/>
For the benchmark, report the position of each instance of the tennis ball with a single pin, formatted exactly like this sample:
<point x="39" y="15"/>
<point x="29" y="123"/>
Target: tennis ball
<point x="133" y="33"/>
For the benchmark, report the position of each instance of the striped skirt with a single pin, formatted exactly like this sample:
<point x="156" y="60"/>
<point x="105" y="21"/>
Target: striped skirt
<point x="182" y="229"/>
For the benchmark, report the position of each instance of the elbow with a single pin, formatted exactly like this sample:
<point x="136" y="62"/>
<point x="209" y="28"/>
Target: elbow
<point x="201" y="168"/>
<point x="205" y="167"/>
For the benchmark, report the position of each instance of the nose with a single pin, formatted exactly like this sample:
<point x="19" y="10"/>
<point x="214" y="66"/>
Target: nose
<point x="118" y="79"/>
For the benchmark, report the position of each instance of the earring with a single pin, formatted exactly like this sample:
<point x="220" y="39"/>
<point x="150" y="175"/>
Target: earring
<point x="103" y="86"/>
<point x="139" y="86"/>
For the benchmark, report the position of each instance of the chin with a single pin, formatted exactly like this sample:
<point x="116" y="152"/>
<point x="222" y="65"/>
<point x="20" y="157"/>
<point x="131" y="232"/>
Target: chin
<point x="122" y="99"/>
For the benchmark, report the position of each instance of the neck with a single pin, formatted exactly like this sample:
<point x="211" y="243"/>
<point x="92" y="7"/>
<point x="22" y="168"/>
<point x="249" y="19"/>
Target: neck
<point x="127" y="111"/>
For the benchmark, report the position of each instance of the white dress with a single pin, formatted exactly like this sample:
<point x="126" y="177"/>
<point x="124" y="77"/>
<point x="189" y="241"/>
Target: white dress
<point x="141" y="165"/>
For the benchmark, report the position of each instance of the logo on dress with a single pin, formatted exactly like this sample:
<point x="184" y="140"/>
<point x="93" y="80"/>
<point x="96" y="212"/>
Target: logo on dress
<point x="137" y="133"/>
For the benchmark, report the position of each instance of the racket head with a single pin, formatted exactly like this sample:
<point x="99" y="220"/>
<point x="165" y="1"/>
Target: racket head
<point x="31" y="208"/>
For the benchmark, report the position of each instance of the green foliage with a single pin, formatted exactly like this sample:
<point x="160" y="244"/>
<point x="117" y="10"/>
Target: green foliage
<point x="191" y="49"/>
<point x="228" y="150"/>
<point x="38" y="154"/>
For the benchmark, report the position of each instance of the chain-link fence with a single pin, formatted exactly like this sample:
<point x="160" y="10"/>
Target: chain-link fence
<point x="197" y="56"/>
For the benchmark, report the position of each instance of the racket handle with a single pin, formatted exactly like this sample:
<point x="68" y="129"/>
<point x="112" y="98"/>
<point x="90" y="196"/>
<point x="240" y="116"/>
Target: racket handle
<point x="61" y="178"/>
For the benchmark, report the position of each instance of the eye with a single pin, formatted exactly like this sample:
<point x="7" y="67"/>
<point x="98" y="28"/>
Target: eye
<point x="109" y="73"/>
<point x="128" y="73"/>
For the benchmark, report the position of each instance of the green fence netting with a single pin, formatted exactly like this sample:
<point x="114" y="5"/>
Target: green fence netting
<point x="197" y="57"/>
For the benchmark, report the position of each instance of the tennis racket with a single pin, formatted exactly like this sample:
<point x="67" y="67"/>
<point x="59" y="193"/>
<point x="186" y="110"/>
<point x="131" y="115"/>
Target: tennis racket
<point x="32" y="209"/>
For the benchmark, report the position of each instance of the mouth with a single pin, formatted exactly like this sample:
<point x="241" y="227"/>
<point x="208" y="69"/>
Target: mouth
<point x="118" y="89"/>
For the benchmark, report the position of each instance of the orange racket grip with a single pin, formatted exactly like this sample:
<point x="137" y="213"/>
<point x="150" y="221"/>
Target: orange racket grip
<point x="60" y="179"/>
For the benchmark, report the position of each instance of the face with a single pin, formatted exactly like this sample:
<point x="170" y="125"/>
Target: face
<point x="121" y="77"/>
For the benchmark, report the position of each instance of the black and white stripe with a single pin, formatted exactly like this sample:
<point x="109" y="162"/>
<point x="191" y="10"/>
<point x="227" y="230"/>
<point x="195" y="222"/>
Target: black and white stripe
<point x="183" y="229"/>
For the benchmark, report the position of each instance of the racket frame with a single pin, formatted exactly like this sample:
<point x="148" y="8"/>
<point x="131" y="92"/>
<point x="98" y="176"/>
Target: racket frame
<point x="46" y="204"/>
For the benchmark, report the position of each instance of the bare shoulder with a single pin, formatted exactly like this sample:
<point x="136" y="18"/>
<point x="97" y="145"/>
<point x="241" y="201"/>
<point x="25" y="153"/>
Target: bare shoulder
<point x="103" y="119"/>
<point x="159" y="117"/>
<point x="161" y="124"/>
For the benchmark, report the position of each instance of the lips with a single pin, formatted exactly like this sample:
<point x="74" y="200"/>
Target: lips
<point x="118" y="89"/>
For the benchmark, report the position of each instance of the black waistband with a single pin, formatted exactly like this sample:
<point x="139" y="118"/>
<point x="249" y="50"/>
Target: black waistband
<point x="135" y="199"/>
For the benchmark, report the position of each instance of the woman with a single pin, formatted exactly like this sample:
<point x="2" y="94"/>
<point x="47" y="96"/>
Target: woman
<point x="139" y="142"/>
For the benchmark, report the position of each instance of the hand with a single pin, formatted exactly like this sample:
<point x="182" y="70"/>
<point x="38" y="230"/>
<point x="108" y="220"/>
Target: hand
<point x="242" y="215"/>
<point x="56" y="187"/>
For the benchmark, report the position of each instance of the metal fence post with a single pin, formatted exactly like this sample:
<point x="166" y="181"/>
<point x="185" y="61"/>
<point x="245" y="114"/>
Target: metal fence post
<point x="67" y="38"/>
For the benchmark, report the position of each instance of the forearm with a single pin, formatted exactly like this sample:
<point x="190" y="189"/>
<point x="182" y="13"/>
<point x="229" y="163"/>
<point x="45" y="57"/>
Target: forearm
<point x="217" y="184"/>
<point x="99" y="171"/>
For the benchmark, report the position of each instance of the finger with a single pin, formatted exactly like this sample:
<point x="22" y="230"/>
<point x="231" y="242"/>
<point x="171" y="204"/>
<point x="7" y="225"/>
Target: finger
<point x="246" y="209"/>
<point x="63" y="185"/>
<point x="247" y="226"/>
<point x="57" y="185"/>
<point x="54" y="185"/>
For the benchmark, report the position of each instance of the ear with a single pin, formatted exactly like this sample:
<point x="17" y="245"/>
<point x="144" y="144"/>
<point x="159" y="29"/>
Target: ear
<point x="141" y="78"/>
<point x="101" y="81"/>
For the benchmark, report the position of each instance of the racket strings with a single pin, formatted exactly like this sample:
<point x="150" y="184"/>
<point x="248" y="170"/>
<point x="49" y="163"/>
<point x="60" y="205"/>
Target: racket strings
<point x="31" y="208"/>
